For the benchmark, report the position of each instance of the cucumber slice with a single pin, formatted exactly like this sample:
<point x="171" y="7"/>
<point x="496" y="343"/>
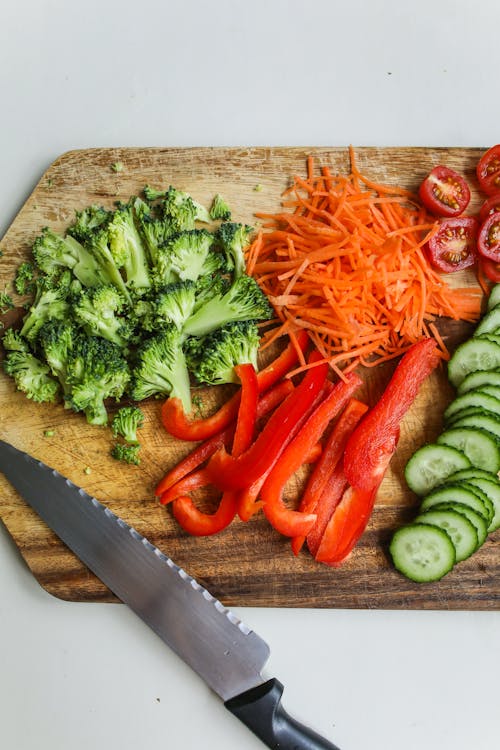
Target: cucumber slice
<point x="473" y="472"/>
<point x="431" y="464"/>
<point x="491" y="489"/>
<point x="478" y="379"/>
<point x="490" y="322"/>
<point x="491" y="336"/>
<point x="481" y="421"/>
<point x="460" y="530"/>
<point x="480" y="447"/>
<point x="474" y="354"/>
<point x="458" y="493"/>
<point x="476" y="398"/>
<point x="476" y="519"/>
<point x="490" y="390"/>
<point x="470" y="411"/>
<point x="494" y="298"/>
<point x="422" y="552"/>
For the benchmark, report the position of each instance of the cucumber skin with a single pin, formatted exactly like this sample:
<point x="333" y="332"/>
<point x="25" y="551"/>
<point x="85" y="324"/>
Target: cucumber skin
<point x="431" y="516"/>
<point x="461" y="463"/>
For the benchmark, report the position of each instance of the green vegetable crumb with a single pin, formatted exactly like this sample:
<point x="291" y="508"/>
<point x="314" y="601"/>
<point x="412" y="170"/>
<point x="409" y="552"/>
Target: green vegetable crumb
<point x="49" y="433"/>
<point x="117" y="166"/>
<point x="259" y="188"/>
<point x="128" y="454"/>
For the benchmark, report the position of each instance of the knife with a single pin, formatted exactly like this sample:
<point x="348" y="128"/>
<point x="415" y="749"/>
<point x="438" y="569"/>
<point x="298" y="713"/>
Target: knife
<point x="206" y="635"/>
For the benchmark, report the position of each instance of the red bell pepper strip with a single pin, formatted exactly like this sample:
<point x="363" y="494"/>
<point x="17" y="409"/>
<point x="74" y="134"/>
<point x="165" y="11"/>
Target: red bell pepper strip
<point x="189" y="483"/>
<point x="177" y="423"/>
<point x="365" y="457"/>
<point x="247" y="412"/>
<point x="328" y="501"/>
<point x="370" y="449"/>
<point x="295" y="522"/>
<point x="267" y="402"/>
<point x="321" y="477"/>
<point x="346" y="525"/>
<point x="248" y="503"/>
<point x="185" y="512"/>
<point x="235" y="472"/>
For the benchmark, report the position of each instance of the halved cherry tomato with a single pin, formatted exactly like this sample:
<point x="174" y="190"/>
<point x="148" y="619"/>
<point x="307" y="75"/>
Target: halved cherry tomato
<point x="444" y="192"/>
<point x="453" y="246"/>
<point x="488" y="241"/>
<point x="488" y="171"/>
<point x="490" y="269"/>
<point x="490" y="206"/>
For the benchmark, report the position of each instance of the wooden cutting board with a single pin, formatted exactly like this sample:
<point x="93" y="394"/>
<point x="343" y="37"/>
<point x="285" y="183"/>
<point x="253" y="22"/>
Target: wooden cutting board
<point x="248" y="564"/>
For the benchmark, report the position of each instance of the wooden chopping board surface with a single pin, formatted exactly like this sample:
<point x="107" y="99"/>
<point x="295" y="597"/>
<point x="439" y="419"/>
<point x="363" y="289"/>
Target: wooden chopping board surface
<point x="248" y="564"/>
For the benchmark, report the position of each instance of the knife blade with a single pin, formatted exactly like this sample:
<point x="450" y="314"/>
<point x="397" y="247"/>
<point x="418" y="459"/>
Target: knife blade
<point x="227" y="654"/>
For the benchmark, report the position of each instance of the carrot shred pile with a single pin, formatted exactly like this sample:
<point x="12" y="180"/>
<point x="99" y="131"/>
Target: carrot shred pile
<point x="345" y="260"/>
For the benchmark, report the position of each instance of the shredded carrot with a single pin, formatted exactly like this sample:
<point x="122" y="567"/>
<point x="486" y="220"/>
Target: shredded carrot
<point x="345" y="260"/>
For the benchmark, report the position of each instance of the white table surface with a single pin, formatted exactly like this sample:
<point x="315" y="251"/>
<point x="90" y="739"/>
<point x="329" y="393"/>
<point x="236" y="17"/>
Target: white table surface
<point x="79" y="676"/>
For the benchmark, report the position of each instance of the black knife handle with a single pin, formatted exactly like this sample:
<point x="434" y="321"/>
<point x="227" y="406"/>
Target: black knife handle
<point x="260" y="709"/>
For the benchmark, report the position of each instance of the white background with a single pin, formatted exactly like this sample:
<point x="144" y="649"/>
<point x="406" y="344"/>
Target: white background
<point x="249" y="72"/>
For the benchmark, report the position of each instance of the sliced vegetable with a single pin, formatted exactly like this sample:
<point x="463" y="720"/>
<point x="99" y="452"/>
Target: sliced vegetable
<point x="488" y="171"/>
<point x="481" y="448"/>
<point x="461" y="531"/>
<point x="422" y="552"/>
<point x="235" y="472"/>
<point x="490" y="269"/>
<point x="488" y="241"/>
<point x="267" y="402"/>
<point x="298" y="522"/>
<point x="472" y="355"/>
<point x="321" y="493"/>
<point x="369" y="450"/>
<point x="444" y="192"/>
<point x="372" y="444"/>
<point x="431" y="464"/>
<point x="477" y="520"/>
<point x="490" y="206"/>
<point x="459" y="493"/>
<point x="453" y="246"/>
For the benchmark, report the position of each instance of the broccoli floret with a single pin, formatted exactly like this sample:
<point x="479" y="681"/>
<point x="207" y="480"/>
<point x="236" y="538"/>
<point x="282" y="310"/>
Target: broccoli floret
<point x="31" y="376"/>
<point x="173" y="304"/>
<point x="23" y="281"/>
<point x="127" y="249"/>
<point x="97" y="370"/>
<point x="231" y="345"/>
<point x="220" y="209"/>
<point x="187" y="253"/>
<point x="56" y="341"/>
<point x="177" y="207"/>
<point x="151" y="194"/>
<point x="98" y="311"/>
<point x="244" y="300"/>
<point x="161" y="368"/>
<point x="129" y="454"/>
<point x="50" y="303"/>
<point x="233" y="239"/>
<point x="13" y="341"/>
<point x="87" y="221"/>
<point x="110" y="272"/>
<point x="6" y="302"/>
<point x="52" y="252"/>
<point x="126" y="422"/>
<point x="209" y="286"/>
<point x="153" y="230"/>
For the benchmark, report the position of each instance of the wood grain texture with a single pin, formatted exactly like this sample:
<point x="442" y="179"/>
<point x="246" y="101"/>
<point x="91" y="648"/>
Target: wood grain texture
<point x="248" y="564"/>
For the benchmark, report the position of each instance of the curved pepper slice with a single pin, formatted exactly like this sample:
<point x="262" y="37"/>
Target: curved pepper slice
<point x="197" y="523"/>
<point x="234" y="473"/>
<point x="295" y="522"/>
<point x="185" y="512"/>
<point x="328" y="501"/>
<point x="321" y="491"/>
<point x="178" y="424"/>
<point x="370" y="449"/>
<point x="205" y="450"/>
